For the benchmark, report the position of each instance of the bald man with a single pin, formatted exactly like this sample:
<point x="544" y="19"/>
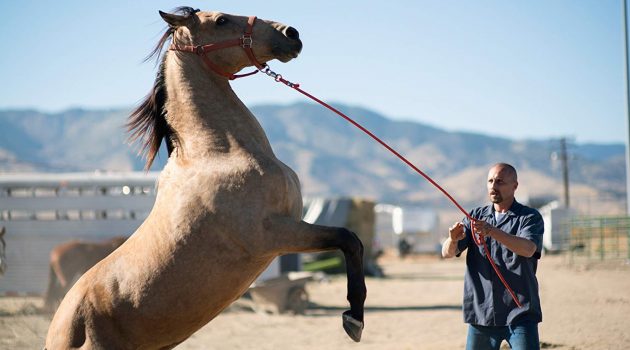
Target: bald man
<point x="513" y="234"/>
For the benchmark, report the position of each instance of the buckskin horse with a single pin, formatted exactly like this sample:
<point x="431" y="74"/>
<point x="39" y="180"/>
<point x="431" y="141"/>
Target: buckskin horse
<point x="70" y="260"/>
<point x="225" y="206"/>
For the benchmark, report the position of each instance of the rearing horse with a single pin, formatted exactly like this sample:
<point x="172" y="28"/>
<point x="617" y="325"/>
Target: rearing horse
<point x="225" y="207"/>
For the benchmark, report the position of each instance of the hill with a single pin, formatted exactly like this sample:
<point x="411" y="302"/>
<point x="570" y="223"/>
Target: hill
<point x="333" y="158"/>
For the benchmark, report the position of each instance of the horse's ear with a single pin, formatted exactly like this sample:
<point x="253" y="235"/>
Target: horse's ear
<point x="174" y="20"/>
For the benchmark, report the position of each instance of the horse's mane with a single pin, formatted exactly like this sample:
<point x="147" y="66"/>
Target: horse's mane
<point x="147" y="123"/>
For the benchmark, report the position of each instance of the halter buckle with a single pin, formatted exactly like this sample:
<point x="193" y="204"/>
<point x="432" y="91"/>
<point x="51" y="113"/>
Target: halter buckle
<point x="199" y="50"/>
<point x="247" y="41"/>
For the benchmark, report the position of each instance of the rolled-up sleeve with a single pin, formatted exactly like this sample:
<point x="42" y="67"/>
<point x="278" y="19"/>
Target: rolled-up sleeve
<point x="532" y="228"/>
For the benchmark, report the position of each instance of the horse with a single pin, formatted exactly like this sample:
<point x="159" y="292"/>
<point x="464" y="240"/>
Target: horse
<point x="225" y="205"/>
<point x="70" y="260"/>
<point x="3" y="256"/>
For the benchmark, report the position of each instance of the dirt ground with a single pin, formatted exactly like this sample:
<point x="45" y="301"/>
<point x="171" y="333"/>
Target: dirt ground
<point x="418" y="306"/>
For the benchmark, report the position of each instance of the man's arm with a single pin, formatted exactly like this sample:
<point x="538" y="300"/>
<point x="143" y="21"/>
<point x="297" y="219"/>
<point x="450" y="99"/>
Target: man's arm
<point x="521" y="246"/>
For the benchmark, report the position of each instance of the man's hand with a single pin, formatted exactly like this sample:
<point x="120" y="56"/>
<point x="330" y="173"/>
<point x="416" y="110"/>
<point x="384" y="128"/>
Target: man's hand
<point x="456" y="232"/>
<point x="483" y="228"/>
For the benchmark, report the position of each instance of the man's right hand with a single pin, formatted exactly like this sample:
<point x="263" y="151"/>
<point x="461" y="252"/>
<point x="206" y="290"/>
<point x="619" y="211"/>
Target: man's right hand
<point x="456" y="232"/>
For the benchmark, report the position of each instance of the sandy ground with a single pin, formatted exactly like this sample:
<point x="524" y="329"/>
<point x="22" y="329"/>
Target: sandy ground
<point x="418" y="306"/>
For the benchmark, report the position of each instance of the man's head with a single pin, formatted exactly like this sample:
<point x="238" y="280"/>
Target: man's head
<point x="502" y="183"/>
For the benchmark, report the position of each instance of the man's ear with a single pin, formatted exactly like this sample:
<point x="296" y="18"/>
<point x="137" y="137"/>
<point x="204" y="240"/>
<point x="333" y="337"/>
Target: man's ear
<point x="174" y="20"/>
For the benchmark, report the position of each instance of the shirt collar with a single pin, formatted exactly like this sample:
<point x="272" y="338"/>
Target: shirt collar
<point x="515" y="208"/>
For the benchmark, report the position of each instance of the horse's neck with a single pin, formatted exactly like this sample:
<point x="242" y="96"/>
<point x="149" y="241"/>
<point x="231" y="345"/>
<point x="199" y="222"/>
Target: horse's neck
<point x="205" y="112"/>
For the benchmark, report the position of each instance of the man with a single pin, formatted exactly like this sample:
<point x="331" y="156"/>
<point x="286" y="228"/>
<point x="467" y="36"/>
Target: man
<point x="513" y="234"/>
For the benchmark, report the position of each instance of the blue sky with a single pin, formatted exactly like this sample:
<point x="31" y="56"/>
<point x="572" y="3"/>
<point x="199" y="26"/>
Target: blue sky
<point x="518" y="69"/>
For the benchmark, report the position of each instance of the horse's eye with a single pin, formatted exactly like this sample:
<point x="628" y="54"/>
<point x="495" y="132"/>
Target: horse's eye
<point x="221" y="21"/>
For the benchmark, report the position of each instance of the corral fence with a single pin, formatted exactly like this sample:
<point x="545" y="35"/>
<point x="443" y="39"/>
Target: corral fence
<point x="598" y="238"/>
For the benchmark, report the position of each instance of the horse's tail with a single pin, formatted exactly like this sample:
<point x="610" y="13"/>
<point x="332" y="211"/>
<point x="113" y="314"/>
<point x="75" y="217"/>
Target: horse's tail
<point x="58" y="271"/>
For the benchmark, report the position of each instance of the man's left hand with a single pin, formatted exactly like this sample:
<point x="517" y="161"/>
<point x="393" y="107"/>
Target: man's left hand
<point x="483" y="228"/>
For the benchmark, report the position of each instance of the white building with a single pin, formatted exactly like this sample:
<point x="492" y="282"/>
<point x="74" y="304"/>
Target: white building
<point x="557" y="226"/>
<point x="40" y="211"/>
<point x="417" y="226"/>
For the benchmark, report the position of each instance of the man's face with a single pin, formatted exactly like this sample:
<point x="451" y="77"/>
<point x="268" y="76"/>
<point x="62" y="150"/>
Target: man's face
<point x="501" y="185"/>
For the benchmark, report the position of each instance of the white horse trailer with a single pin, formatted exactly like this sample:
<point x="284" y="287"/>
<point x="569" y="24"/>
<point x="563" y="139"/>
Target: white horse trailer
<point x="557" y="221"/>
<point x="410" y="226"/>
<point x="41" y="211"/>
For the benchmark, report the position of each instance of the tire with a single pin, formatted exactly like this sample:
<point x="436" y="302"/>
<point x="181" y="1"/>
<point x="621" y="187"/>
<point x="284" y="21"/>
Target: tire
<point x="297" y="301"/>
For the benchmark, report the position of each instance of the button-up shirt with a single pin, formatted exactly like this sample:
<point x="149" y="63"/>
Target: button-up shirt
<point x="486" y="301"/>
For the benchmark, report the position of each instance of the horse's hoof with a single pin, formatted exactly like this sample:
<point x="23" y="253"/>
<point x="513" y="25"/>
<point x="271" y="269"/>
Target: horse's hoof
<point x="352" y="326"/>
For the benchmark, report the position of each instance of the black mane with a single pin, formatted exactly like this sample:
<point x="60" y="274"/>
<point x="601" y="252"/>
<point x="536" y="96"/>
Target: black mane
<point x="147" y="123"/>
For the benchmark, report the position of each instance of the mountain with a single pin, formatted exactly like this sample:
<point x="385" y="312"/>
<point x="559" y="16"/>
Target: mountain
<point x="74" y="140"/>
<point x="334" y="158"/>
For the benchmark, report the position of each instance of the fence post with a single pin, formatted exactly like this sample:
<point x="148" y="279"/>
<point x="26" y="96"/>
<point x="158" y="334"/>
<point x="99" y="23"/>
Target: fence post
<point x="601" y="239"/>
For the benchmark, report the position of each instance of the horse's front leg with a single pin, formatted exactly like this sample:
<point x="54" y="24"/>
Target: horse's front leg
<point x="301" y="237"/>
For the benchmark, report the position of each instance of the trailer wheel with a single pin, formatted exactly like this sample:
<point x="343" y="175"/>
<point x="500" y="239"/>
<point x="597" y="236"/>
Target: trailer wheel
<point x="297" y="300"/>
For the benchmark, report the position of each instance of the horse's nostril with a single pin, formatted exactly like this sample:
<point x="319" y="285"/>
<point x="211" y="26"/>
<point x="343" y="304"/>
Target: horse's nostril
<point x="291" y="33"/>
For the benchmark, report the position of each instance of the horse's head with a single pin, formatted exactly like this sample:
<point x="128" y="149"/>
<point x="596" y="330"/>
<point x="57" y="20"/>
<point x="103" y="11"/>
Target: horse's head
<point x="226" y="39"/>
<point x="225" y="43"/>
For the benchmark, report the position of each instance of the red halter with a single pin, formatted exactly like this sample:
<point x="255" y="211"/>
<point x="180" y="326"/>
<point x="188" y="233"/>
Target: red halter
<point x="244" y="41"/>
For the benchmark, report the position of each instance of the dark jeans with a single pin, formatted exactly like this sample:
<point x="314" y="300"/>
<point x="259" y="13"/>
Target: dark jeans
<point x="523" y="336"/>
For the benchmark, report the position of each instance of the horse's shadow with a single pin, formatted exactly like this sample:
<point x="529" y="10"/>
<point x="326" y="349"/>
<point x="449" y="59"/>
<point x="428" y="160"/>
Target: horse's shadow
<point x="315" y="309"/>
<point x="424" y="277"/>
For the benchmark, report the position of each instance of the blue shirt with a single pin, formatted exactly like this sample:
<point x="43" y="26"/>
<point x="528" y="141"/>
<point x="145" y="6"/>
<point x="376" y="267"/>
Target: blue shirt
<point x="486" y="301"/>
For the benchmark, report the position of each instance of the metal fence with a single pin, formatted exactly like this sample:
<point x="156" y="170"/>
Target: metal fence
<point x="599" y="238"/>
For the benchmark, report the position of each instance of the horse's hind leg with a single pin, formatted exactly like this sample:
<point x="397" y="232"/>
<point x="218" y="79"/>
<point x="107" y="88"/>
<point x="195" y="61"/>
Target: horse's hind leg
<point x="48" y="297"/>
<point x="54" y="292"/>
<point x="299" y="236"/>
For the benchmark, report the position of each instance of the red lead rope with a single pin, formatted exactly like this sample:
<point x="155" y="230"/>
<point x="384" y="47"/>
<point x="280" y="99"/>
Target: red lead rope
<point x="478" y="240"/>
<point x="246" y="41"/>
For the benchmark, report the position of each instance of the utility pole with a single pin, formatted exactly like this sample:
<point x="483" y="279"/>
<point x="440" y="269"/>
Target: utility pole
<point x="627" y="78"/>
<point x="564" y="158"/>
